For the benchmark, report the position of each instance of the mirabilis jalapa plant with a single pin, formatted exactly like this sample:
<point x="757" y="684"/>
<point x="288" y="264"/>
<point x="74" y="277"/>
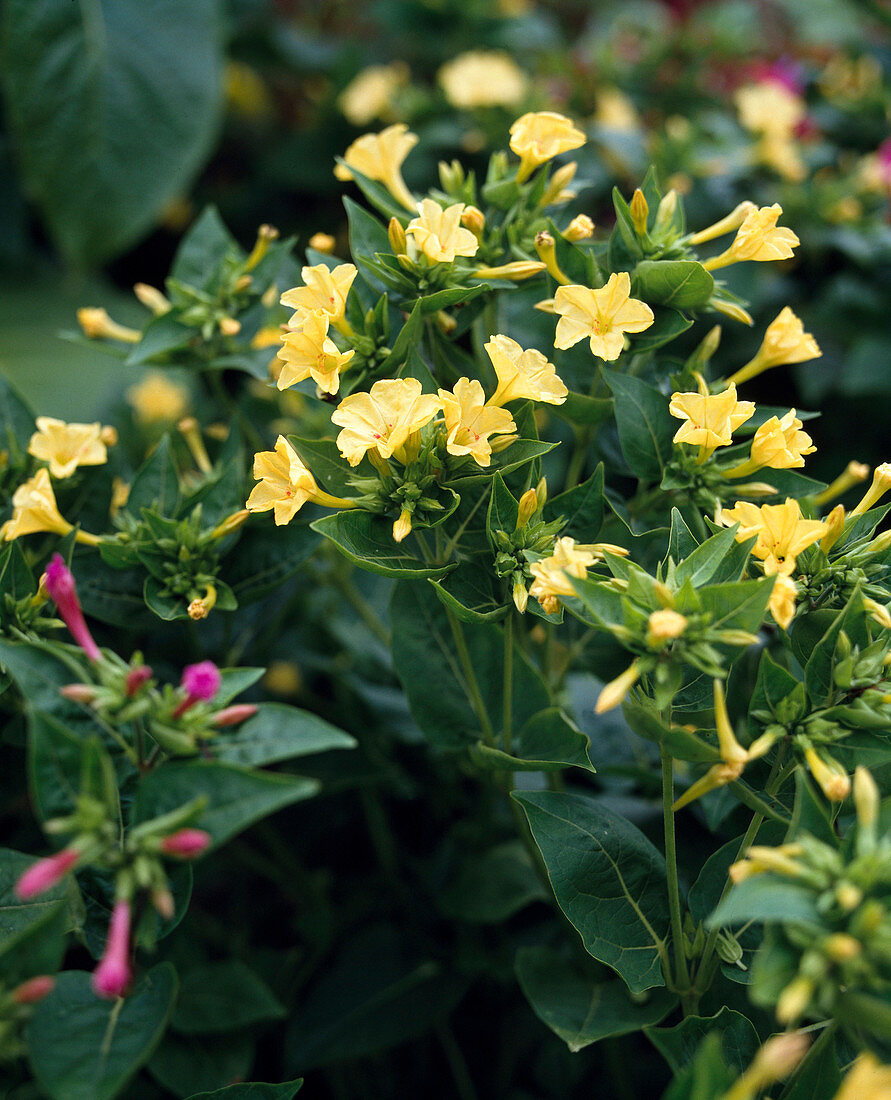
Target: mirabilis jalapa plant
<point x="485" y="408"/>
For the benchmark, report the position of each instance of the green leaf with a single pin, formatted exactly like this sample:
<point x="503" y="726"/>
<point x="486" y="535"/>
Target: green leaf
<point x="765" y="897"/>
<point x="368" y="540"/>
<point x="253" y="1090"/>
<point x="83" y="1047"/>
<point x="162" y="336"/>
<point x="582" y="508"/>
<point x="426" y="661"/>
<point x="190" y="1064"/>
<point x="681" y="541"/>
<point x="679" y="1044"/>
<point x="682" y="284"/>
<point x="503" y="509"/>
<point x="608" y="879"/>
<point x="367" y="234"/>
<point x="39" y="947"/>
<point x="644" y="423"/>
<point x="700" y="566"/>
<point x="549" y="741"/>
<point x="579" y="408"/>
<point x="740" y="605"/>
<point x="16" y="421"/>
<point x="266" y="556"/>
<point x="818" y="670"/>
<point x="469" y="592"/>
<point x="668" y="325"/>
<point x="202" y="250"/>
<point x="578" y="1009"/>
<point x="156" y="484"/>
<point x="54" y="764"/>
<point x="223" y="996"/>
<point x="818" y="1078"/>
<point x="491" y="886"/>
<point x="39" y="670"/>
<point x="677" y="740"/>
<point x="277" y="732"/>
<point x="236" y="797"/>
<point x="85" y="86"/>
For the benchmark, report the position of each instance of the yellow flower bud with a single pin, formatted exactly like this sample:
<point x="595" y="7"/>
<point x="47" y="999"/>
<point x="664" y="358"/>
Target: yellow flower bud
<point x="579" y="229"/>
<point x="152" y="298"/>
<point x="881" y="483"/>
<point x="615" y="691"/>
<point x="230" y="523"/>
<point x="866" y="797"/>
<point x="664" y="626"/>
<point x="841" y="947"/>
<point x="726" y="225"/>
<point x="520" y="596"/>
<point x="835" y="523"/>
<point x="402" y="526"/>
<point x="97" y="325"/>
<point x="516" y="271"/>
<point x="794" y="1000"/>
<point x="556" y="188"/>
<point x="474" y="219"/>
<point x="829" y="774"/>
<point x="528" y="508"/>
<point x="640" y="211"/>
<point x="397" y="237"/>
<point x="266" y="234"/>
<point x="323" y="242"/>
<point x="848" y="896"/>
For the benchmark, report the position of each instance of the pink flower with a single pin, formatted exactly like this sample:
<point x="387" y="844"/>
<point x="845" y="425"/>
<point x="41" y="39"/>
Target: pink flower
<point x="234" y="715"/>
<point x="60" y="586"/>
<point x="45" y="873"/>
<point x="33" y="990"/>
<point x="113" y="974"/>
<point x="200" y="683"/>
<point x="136" y="677"/>
<point x="186" y="843"/>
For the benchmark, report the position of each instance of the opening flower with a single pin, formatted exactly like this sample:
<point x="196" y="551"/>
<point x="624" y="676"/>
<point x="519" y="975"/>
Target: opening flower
<point x="439" y="234"/>
<point x="67" y="446"/>
<point x="324" y="289"/>
<point x="785" y="341"/>
<point x="782" y="600"/>
<point x="380" y="157"/>
<point x="603" y="316"/>
<point x="552" y="573"/>
<point x="34" y="509"/>
<point x="482" y="78"/>
<point x="780" y="530"/>
<point x="285" y="485"/>
<point x="469" y="421"/>
<point x="758" y="238"/>
<point x="309" y="352"/>
<point x="540" y="136"/>
<point x="383" y="419"/>
<point x="710" y="419"/>
<point x="778" y="444"/>
<point x="523" y="374"/>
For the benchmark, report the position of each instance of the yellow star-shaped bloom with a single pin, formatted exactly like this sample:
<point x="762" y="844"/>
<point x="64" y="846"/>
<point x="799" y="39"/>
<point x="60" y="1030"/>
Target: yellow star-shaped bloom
<point x="308" y="352"/>
<point x="780" y="530"/>
<point x="323" y="289"/>
<point x="380" y="157"/>
<point x="383" y="419"/>
<point x="602" y="316"/>
<point x="67" y="446"/>
<point x="710" y="419"/>
<point x="540" y="136"/>
<point x="469" y="421"/>
<point x="523" y="374"/>
<point x="438" y="232"/>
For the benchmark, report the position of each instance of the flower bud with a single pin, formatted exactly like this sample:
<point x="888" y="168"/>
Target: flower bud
<point x="664" y="626"/>
<point x="556" y="188"/>
<point x="881" y="483"/>
<point x="528" y="507"/>
<point x="234" y="715"/>
<point x="841" y="947"/>
<point x="78" y="693"/>
<point x="866" y="798"/>
<point x="323" y="242"/>
<point x="545" y="246"/>
<point x="616" y="690"/>
<point x="152" y="299"/>
<point x="520" y="596"/>
<point x="640" y="212"/>
<point x="163" y="903"/>
<point x="848" y="896"/>
<point x="396" y="236"/>
<point x="794" y="1000"/>
<point x="665" y="212"/>
<point x="474" y="219"/>
<point x="835" y="523"/>
<point x="186" y="843"/>
<point x="97" y="325"/>
<point x="136" y="677"/>
<point x="112" y="976"/>
<point x="61" y="588"/>
<point x="229" y="524"/>
<point x="402" y="526"/>
<point x="579" y="229"/>
<point x="229" y="326"/>
<point x="45" y="873"/>
<point x="33" y="990"/>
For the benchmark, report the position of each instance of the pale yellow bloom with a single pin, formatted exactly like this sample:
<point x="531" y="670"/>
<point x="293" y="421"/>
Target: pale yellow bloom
<point x="782" y="600"/>
<point x="523" y="374"/>
<point x="758" y="238"/>
<point x="780" y="530"/>
<point x="380" y="157"/>
<point x="881" y="483"/>
<point x="97" y="325"/>
<point x="769" y="107"/>
<point x="780" y="153"/>
<point x="67" y="446"/>
<point x="778" y="444"/>
<point x="34" y="509"/>
<point x="269" y="336"/>
<point x="539" y="137"/>
<point x="285" y="485"/>
<point x="323" y="289"/>
<point x="309" y="352"/>
<point x="438" y="232"/>
<point x="615" y="111"/>
<point x="383" y="419"/>
<point x="156" y="398"/>
<point x="785" y="341"/>
<point x="664" y="626"/>
<point x="867" y="1079"/>
<point x="369" y="94"/>
<point x="602" y="316"/>
<point x="482" y="78"/>
<point x="552" y="573"/>
<point x="469" y="421"/>
<point x="710" y="419"/>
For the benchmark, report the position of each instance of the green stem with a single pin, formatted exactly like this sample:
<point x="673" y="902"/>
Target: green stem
<point x="470" y="680"/>
<point x="464" y="1086"/>
<point x="507" y="732"/>
<point x="362" y="607"/>
<point x="682" y="975"/>
<point x="756" y="803"/>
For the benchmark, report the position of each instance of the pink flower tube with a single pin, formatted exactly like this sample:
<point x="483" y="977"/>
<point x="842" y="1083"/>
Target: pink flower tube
<point x="112" y="976"/>
<point x="45" y="873"/>
<point x="185" y="843"/>
<point x="234" y="715"/>
<point x="61" y="588"/>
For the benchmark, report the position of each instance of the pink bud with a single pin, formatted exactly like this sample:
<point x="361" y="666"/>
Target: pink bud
<point x="78" y="693"/>
<point x="186" y="843"/>
<point x="200" y="683"/>
<point x="112" y="976"/>
<point x="234" y="715"/>
<point x="34" y="990"/>
<point x="45" y="873"/>
<point x="136" y="677"/>
<point x="60" y="586"/>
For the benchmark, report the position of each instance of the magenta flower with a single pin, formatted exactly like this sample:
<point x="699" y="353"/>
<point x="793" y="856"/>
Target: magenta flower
<point x="186" y="843"/>
<point x="113" y="974"/>
<point x="200" y="683"/>
<point x="45" y="873"/>
<point x="61" y="588"/>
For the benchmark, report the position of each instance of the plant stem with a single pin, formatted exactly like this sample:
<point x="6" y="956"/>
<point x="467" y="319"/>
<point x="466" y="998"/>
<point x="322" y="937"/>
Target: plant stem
<point x="682" y="975"/>
<point x="507" y="733"/>
<point x="344" y="584"/>
<point x="470" y="680"/>
<point x="464" y="1086"/>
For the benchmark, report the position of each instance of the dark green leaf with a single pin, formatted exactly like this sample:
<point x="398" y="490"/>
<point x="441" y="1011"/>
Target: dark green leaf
<point x="190" y="1064"/>
<point x="678" y="1044"/>
<point x="547" y="742"/>
<point x="277" y="732"/>
<point x="253" y="1090"/>
<point x="491" y="886"/>
<point x="368" y="540"/>
<point x="223" y="996"/>
<point x="682" y="284"/>
<point x="581" y="507"/>
<point x="156" y="484"/>
<point x="765" y="897"/>
<point x="644" y="423"/>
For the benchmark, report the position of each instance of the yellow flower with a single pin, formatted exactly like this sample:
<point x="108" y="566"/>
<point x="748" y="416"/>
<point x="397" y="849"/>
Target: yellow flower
<point x="439" y="234"/>
<point x="615" y="111"/>
<point x="552" y="573"/>
<point x="482" y="78"/>
<point x="67" y="446"/>
<point x="664" y="626"/>
<point x="285" y="485"/>
<point x="579" y="229"/>
<point x="369" y="94"/>
<point x="615" y="691"/>
<point x="323" y="289"/>
<point x="832" y="778"/>
<point x="867" y="1079"/>
<point x="310" y="352"/>
<point x="758" y="238"/>
<point x="380" y="157"/>
<point x="156" y="399"/>
<point x="780" y="153"/>
<point x="778" y="444"/>
<point x="785" y="341"/>
<point x="383" y="419"/>
<point x="710" y="419"/>
<point x="323" y="242"/>
<point x="470" y="421"/>
<point x="782" y="600"/>
<point x="769" y="107"/>
<point x="538" y="137"/>
<point x="600" y="315"/>
<point x="34" y="509"/>
<point x="523" y="374"/>
<point x="881" y="483"/>
<point x="780" y="530"/>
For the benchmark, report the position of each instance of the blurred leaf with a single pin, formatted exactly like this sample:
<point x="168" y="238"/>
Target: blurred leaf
<point x="223" y="996"/>
<point x="277" y="732"/>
